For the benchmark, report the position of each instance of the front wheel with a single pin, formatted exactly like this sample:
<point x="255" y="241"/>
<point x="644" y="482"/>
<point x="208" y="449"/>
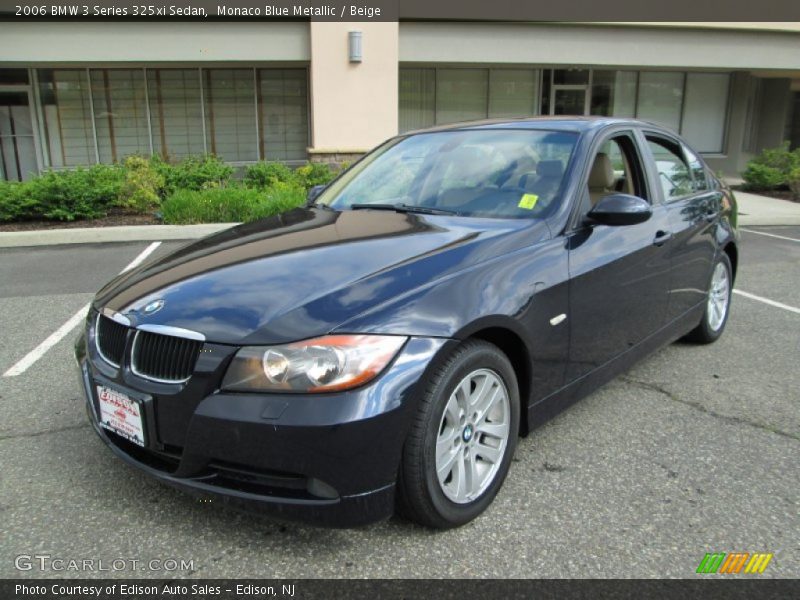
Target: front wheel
<point x="718" y="302"/>
<point x="462" y="441"/>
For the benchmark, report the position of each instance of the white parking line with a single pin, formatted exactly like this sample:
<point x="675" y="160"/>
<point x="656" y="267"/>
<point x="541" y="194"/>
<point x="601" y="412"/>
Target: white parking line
<point x="774" y="235"/>
<point x="55" y="337"/>
<point x="140" y="259"/>
<point x="29" y="359"/>
<point x="768" y="301"/>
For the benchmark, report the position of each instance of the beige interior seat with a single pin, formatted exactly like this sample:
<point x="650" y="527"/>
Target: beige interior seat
<point x="601" y="178"/>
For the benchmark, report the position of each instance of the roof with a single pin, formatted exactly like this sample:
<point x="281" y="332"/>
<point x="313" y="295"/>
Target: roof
<point x="551" y="123"/>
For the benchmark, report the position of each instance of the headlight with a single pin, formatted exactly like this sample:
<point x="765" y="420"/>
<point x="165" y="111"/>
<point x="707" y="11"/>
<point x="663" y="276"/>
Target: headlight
<point x="330" y="363"/>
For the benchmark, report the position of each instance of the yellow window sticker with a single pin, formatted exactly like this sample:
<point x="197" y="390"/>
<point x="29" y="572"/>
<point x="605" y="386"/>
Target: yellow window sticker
<point x="528" y="201"/>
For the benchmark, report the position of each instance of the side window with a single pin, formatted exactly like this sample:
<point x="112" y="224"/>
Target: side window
<point x="698" y="171"/>
<point x="615" y="168"/>
<point x="673" y="171"/>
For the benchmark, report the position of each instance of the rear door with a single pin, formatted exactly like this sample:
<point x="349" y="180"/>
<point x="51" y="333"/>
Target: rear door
<point x="693" y="206"/>
<point x="618" y="274"/>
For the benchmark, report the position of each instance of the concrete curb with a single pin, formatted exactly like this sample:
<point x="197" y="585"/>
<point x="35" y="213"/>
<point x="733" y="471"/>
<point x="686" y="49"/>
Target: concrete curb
<point x="96" y="235"/>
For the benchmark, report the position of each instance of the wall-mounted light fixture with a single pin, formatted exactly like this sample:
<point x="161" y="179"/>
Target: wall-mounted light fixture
<point x="354" y="46"/>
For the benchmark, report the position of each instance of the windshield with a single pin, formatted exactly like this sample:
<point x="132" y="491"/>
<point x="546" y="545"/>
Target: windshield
<point x="482" y="173"/>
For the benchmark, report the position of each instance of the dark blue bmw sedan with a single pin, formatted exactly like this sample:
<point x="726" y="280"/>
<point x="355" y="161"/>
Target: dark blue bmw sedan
<point x="385" y="346"/>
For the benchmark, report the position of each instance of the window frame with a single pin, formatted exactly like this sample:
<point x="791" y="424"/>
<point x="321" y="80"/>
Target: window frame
<point x="680" y="144"/>
<point x="576" y="220"/>
<point x="687" y="151"/>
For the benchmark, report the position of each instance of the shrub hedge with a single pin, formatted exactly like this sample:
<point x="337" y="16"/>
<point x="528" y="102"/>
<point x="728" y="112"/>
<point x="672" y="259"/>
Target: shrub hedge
<point x="774" y="168"/>
<point x="196" y="190"/>
<point x="231" y="204"/>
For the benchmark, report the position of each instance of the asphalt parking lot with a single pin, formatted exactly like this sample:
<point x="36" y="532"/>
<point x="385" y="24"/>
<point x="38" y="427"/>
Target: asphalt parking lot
<point x="695" y="450"/>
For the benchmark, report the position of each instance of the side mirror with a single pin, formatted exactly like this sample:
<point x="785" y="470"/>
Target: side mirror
<point x="314" y="192"/>
<point x="620" y="209"/>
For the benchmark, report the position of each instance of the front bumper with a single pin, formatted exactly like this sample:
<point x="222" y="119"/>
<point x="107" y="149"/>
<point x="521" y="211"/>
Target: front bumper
<point x="328" y="459"/>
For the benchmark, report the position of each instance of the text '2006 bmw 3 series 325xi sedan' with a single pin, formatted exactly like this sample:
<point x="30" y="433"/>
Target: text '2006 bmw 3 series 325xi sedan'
<point x="384" y="346"/>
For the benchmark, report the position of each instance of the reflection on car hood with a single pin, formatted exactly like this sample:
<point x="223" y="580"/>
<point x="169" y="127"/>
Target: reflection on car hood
<point x="300" y="274"/>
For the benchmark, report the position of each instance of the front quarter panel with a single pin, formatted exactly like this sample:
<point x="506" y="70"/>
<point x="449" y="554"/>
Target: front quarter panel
<point x="519" y="292"/>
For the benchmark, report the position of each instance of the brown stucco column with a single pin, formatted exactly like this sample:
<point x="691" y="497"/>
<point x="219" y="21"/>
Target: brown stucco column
<point x="353" y="104"/>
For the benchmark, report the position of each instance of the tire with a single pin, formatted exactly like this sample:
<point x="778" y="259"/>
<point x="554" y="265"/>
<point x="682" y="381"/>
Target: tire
<point x="720" y="291"/>
<point x="483" y="447"/>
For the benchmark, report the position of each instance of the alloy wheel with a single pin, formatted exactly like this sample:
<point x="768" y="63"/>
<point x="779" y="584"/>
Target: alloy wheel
<point x="718" y="297"/>
<point x="473" y="436"/>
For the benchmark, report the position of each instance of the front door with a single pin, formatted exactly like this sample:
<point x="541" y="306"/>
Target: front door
<point x="18" y="160"/>
<point x="619" y="275"/>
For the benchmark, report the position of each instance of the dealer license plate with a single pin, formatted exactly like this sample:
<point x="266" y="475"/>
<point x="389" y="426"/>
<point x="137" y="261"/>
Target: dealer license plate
<point x="121" y="414"/>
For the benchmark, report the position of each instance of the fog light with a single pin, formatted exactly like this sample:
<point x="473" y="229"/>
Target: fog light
<point x="320" y="489"/>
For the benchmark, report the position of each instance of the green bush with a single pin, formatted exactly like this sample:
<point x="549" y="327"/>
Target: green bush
<point x="313" y="174"/>
<point x="231" y="204"/>
<point x="143" y="185"/>
<point x="266" y="174"/>
<point x="79" y="194"/>
<point x="771" y="168"/>
<point x="192" y="173"/>
<point x="65" y="195"/>
<point x="761" y="177"/>
<point x="794" y="183"/>
<point x="15" y="204"/>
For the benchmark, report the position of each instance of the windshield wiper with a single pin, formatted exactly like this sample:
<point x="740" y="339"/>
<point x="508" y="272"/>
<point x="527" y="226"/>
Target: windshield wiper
<point x="404" y="208"/>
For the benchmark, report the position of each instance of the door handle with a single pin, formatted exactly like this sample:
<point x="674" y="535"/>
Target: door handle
<point x="662" y="237"/>
<point x="711" y="215"/>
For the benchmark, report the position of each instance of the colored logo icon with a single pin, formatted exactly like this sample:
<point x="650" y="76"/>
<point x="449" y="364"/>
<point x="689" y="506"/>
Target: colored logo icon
<point x="734" y="562"/>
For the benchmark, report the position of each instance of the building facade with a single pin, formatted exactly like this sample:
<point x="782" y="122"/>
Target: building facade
<point x="81" y="93"/>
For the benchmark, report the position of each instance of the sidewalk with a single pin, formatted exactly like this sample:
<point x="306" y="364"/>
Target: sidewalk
<point x="753" y="210"/>
<point x="763" y="210"/>
<point x="93" y="235"/>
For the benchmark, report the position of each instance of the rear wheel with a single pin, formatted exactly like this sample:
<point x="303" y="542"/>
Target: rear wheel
<point x="718" y="302"/>
<point x="460" y="446"/>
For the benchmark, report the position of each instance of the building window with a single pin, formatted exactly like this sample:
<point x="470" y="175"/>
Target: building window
<point x="461" y="94"/>
<point x="120" y="113"/>
<point x="614" y="93"/>
<point x="231" y="114"/>
<point x="660" y="98"/>
<point x="705" y="110"/>
<point x="13" y="76"/>
<point x="17" y="148"/>
<point x="417" y="98"/>
<point x="283" y="113"/>
<point x="176" y="112"/>
<point x="66" y="109"/>
<point x="752" y="121"/>
<point x="694" y="104"/>
<point x="241" y="115"/>
<point x="439" y="96"/>
<point x="513" y="93"/>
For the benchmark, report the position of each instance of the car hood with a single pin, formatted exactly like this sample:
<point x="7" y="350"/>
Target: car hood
<point x="302" y="273"/>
